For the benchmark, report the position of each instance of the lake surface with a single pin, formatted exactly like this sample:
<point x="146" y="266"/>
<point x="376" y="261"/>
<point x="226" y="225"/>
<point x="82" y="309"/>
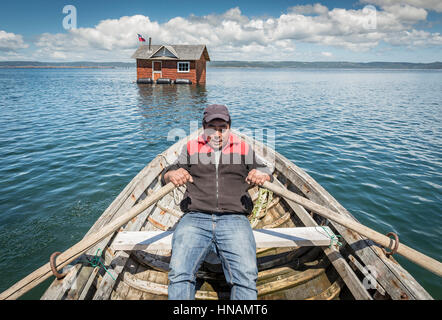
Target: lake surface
<point x="71" y="139"/>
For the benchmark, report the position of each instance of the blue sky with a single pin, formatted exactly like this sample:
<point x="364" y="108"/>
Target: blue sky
<point x="405" y="30"/>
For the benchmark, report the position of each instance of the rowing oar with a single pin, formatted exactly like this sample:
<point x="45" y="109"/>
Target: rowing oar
<point x="76" y="250"/>
<point x="409" y="253"/>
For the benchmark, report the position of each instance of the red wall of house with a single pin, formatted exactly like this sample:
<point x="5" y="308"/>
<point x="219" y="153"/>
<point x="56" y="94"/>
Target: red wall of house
<point x="144" y="68"/>
<point x="201" y="70"/>
<point x="169" y="70"/>
<point x="197" y="72"/>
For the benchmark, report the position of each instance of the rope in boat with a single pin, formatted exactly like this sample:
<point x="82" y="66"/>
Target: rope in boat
<point x="265" y="197"/>
<point x="333" y="237"/>
<point x="96" y="261"/>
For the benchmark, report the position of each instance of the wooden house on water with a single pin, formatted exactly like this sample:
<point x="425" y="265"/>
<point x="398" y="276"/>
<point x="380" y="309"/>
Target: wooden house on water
<point x="171" y="63"/>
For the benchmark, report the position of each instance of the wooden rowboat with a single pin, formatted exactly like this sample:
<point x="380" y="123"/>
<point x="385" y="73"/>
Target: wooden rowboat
<point x="358" y="269"/>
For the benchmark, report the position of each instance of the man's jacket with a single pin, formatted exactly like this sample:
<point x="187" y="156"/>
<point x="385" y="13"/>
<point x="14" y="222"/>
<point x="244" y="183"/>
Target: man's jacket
<point x="221" y="188"/>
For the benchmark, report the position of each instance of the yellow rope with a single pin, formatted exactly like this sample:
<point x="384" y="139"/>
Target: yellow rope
<point x="265" y="197"/>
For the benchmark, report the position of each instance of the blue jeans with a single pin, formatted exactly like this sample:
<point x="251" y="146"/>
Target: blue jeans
<point x="232" y="237"/>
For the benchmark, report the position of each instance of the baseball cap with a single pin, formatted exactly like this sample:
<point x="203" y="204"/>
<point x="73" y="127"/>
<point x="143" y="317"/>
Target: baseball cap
<point x="216" y="111"/>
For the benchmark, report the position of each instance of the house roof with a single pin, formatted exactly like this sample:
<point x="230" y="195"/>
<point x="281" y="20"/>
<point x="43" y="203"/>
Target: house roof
<point x="180" y="51"/>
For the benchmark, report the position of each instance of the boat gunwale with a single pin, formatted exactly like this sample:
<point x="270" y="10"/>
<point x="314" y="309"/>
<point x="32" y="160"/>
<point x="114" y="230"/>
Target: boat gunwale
<point x="299" y="178"/>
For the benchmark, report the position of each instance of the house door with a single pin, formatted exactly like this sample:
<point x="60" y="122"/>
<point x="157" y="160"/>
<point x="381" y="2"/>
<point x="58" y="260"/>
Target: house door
<point x="156" y="70"/>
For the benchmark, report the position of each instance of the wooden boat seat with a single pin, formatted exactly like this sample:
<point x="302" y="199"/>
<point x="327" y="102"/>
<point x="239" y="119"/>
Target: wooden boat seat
<point x="264" y="238"/>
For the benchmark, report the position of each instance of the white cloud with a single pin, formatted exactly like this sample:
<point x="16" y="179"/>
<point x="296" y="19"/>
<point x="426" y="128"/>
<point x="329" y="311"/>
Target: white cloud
<point x="327" y="54"/>
<point x="435" y="5"/>
<point x="11" y="41"/>
<point x="317" y="8"/>
<point x="415" y="38"/>
<point x="58" y="55"/>
<point x="406" y="13"/>
<point x="232" y="35"/>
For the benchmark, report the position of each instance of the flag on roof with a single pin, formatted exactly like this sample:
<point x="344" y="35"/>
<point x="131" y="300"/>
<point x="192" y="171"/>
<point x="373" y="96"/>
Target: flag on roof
<point x="140" y="38"/>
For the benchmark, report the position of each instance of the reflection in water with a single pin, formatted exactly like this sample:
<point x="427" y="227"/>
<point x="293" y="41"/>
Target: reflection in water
<point x="152" y="94"/>
<point x="168" y="107"/>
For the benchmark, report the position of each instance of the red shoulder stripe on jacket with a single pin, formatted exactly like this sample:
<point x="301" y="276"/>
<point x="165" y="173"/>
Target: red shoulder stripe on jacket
<point x="235" y="145"/>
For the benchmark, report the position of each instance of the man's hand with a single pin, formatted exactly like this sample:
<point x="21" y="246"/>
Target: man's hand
<point x="178" y="177"/>
<point x="257" y="177"/>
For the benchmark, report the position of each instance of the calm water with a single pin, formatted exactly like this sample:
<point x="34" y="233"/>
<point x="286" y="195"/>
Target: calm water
<point x="70" y="141"/>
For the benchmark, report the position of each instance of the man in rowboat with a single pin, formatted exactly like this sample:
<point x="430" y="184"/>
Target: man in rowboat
<point x="218" y="168"/>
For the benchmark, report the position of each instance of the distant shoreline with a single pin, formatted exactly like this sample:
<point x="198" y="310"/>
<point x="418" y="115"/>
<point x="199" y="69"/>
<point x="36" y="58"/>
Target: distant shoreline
<point x="57" y="67"/>
<point x="327" y="65"/>
<point x="233" y="64"/>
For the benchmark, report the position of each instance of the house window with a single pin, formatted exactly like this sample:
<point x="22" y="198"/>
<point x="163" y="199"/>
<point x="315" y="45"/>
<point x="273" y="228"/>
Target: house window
<point x="183" y="66"/>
